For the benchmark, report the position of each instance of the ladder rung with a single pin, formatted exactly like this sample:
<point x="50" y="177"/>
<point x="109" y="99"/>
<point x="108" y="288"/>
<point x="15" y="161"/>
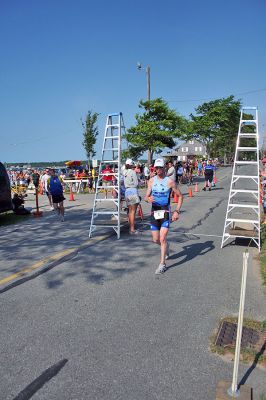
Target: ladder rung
<point x="244" y="191"/>
<point x="109" y="161"/>
<point x="249" y="108"/>
<point x="112" y="149"/>
<point x="251" y="221"/>
<point x="103" y="200"/>
<point x="246" y="162"/>
<point x="247" y="148"/>
<point x="246" y="176"/>
<point x="106" y="226"/>
<point x="248" y="135"/>
<point x="112" y="126"/>
<point x="106" y="212"/>
<point x="244" y="205"/>
<point x="112" y="137"/>
<point x="248" y="121"/>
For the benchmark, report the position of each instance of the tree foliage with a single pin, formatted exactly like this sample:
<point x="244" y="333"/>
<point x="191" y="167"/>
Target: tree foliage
<point x="216" y="125"/>
<point x="155" y="129"/>
<point x="90" y="133"/>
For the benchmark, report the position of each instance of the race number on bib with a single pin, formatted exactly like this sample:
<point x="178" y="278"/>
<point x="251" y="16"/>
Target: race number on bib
<point x="159" y="214"/>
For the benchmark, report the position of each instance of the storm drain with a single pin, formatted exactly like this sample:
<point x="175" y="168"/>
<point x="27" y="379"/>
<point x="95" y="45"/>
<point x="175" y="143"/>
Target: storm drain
<point x="227" y="336"/>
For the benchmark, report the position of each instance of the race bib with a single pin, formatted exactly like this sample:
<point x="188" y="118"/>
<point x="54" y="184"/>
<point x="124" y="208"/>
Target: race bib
<point x="159" y="214"/>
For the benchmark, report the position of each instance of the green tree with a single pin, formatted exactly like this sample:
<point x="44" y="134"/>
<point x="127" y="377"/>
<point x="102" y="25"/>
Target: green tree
<point x="155" y="129"/>
<point x="90" y="133"/>
<point x="216" y="125"/>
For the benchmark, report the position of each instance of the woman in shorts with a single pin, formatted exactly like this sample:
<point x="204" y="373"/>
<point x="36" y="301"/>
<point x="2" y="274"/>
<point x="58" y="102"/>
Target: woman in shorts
<point x="131" y="194"/>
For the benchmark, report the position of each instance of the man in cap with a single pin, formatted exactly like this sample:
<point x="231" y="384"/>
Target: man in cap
<point x="131" y="194"/>
<point x="44" y="182"/>
<point x="158" y="194"/>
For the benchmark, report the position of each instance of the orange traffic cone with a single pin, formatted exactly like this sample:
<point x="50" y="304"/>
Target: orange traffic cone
<point x="175" y="198"/>
<point x="196" y="187"/>
<point x="71" y="197"/>
<point x="140" y="212"/>
<point x="190" y="194"/>
<point x="214" y="179"/>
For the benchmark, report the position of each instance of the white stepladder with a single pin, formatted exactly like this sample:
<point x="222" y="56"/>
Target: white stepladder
<point x="106" y="211"/>
<point x="243" y="209"/>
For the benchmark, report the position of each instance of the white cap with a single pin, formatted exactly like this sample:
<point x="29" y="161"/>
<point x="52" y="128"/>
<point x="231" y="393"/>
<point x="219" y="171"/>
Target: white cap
<point x="129" y="161"/>
<point x="159" y="162"/>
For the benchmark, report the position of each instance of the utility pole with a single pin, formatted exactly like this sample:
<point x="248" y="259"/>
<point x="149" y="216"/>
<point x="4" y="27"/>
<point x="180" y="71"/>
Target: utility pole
<point x="148" y="75"/>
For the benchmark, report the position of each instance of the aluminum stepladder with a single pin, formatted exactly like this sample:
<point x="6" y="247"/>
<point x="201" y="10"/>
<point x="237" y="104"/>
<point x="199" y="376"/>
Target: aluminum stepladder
<point x="106" y="212"/>
<point x="243" y="208"/>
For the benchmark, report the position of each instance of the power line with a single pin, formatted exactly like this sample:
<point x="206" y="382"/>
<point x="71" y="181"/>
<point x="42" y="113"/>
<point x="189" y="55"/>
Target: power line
<point x="213" y="98"/>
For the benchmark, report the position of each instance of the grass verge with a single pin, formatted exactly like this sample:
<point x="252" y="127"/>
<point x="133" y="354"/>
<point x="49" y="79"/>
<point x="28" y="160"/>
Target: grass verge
<point x="247" y="356"/>
<point x="9" y="218"/>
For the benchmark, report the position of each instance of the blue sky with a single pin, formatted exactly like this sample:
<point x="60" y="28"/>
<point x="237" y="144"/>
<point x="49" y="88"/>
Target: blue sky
<point x="61" y="58"/>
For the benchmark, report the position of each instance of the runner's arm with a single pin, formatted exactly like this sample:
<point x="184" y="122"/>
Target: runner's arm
<point x="148" y="198"/>
<point x="176" y="190"/>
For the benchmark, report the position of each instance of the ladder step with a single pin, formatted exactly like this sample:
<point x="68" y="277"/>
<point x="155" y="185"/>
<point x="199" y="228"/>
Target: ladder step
<point x="109" y="161"/>
<point x="251" y="221"/>
<point x="106" y="212"/>
<point x="112" y="149"/>
<point x="244" y="191"/>
<point x="244" y="205"/>
<point x="247" y="148"/>
<point x="248" y="135"/>
<point x="246" y="176"/>
<point x="112" y="137"/>
<point x="248" y="121"/>
<point x="246" y="162"/>
<point x="249" y="108"/>
<point x="112" y="126"/>
<point x="104" y="200"/>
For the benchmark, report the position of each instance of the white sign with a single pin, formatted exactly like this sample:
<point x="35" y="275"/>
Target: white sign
<point x="95" y="163"/>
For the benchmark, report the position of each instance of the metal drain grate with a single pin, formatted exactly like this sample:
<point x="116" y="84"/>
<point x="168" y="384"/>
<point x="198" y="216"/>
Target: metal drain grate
<point x="227" y="336"/>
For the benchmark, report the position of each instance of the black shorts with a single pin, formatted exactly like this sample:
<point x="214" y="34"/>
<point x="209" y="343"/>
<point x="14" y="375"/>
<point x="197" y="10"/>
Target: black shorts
<point x="157" y="224"/>
<point x="58" y="198"/>
<point x="208" y="177"/>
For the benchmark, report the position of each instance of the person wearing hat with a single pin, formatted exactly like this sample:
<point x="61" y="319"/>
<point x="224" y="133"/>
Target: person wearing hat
<point x="44" y="183"/>
<point x="158" y="194"/>
<point x="131" y="194"/>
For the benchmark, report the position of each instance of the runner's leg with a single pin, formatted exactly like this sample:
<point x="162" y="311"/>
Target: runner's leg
<point x="163" y="242"/>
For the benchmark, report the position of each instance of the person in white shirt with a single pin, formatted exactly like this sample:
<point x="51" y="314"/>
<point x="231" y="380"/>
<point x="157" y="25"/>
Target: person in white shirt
<point x="44" y="181"/>
<point x="131" y="194"/>
<point x="171" y="173"/>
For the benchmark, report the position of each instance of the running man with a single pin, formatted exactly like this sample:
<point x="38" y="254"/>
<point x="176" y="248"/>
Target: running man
<point x="158" y="194"/>
<point x="55" y="187"/>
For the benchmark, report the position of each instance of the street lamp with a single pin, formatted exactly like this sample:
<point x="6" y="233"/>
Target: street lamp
<point x="148" y="74"/>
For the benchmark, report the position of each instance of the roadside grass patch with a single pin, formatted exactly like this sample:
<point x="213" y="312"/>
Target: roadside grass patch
<point x="247" y="355"/>
<point x="9" y="218"/>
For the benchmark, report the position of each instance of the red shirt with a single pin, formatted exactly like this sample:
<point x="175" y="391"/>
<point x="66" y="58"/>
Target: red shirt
<point x="107" y="178"/>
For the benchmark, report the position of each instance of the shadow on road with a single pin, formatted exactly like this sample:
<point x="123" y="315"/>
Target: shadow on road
<point x="191" y="251"/>
<point x="38" y="383"/>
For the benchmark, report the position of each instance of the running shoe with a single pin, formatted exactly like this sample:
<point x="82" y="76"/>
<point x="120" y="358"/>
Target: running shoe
<point x="210" y="189"/>
<point x="161" y="269"/>
<point x="167" y="251"/>
<point x="204" y="189"/>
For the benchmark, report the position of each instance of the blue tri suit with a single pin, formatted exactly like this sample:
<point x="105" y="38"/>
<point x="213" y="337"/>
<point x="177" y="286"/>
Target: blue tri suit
<point x="161" y="194"/>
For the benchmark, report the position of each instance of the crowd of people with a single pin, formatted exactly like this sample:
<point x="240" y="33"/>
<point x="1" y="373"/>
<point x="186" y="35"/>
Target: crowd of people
<point x="160" y="179"/>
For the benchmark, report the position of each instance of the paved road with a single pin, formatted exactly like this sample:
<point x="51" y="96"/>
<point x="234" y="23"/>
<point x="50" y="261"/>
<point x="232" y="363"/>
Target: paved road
<point x="100" y="325"/>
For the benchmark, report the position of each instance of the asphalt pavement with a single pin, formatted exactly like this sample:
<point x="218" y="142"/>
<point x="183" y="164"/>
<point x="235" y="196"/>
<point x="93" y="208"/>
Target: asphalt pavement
<point x="88" y="318"/>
